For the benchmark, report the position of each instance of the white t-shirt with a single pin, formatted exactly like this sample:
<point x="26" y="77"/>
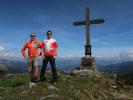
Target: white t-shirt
<point x="49" y="46"/>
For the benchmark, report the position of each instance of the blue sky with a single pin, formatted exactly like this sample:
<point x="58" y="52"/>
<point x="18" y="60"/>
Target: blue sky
<point x="18" y="18"/>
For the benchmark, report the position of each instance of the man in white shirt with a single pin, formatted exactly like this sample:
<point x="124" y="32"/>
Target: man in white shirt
<point x="49" y="52"/>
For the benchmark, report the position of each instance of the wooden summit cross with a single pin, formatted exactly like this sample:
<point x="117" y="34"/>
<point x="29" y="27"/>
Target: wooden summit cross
<point x="88" y="22"/>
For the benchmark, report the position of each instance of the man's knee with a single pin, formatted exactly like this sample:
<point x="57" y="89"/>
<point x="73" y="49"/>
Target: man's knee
<point x="36" y="67"/>
<point x="30" y="69"/>
<point x="35" y="63"/>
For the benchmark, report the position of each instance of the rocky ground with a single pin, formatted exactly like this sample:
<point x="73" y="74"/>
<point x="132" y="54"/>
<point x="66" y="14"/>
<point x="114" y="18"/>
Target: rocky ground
<point x="17" y="87"/>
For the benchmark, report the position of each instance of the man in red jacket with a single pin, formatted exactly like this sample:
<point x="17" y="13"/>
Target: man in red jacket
<point x="49" y="46"/>
<point x="33" y="46"/>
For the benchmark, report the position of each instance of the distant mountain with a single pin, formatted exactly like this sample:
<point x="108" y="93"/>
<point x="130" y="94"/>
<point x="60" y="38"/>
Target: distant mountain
<point x="67" y="63"/>
<point x="118" y="68"/>
<point x="17" y="66"/>
<point x="14" y="66"/>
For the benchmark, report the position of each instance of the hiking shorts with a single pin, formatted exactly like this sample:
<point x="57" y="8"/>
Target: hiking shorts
<point x="32" y="62"/>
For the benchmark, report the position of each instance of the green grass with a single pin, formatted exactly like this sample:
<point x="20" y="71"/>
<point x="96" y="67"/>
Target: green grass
<point x="13" y="81"/>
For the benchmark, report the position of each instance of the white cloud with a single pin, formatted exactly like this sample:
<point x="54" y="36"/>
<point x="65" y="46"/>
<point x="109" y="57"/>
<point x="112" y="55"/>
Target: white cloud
<point x="7" y="53"/>
<point x="130" y="54"/>
<point x="1" y="48"/>
<point x="126" y="55"/>
<point x="70" y="56"/>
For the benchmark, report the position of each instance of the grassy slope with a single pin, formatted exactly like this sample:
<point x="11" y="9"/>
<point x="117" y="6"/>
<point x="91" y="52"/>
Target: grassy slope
<point x="68" y="88"/>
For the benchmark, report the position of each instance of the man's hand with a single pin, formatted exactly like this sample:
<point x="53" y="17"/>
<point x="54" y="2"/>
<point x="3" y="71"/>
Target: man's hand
<point x="40" y="54"/>
<point x="54" y="56"/>
<point x="24" y="56"/>
<point x="43" y="57"/>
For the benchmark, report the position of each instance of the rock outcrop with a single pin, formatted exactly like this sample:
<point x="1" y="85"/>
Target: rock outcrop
<point x="3" y="70"/>
<point x="85" y="73"/>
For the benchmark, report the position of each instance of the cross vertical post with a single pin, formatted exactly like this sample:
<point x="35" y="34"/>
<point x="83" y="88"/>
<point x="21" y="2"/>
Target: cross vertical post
<point x="88" y="45"/>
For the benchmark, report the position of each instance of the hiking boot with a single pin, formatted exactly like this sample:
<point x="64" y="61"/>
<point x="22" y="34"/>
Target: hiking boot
<point x="35" y="80"/>
<point x="53" y="81"/>
<point x="32" y="79"/>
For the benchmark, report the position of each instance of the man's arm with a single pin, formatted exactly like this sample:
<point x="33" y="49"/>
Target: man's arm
<point x="40" y="45"/>
<point x="23" y="50"/>
<point x="42" y="51"/>
<point x="56" y="50"/>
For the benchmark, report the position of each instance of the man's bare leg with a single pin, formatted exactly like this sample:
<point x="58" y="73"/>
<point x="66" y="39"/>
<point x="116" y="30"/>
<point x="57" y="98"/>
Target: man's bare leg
<point x="35" y="73"/>
<point x="31" y="73"/>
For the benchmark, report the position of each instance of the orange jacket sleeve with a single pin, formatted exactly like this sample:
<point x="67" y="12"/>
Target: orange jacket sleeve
<point x="23" y="50"/>
<point x="39" y="45"/>
<point x="43" y="47"/>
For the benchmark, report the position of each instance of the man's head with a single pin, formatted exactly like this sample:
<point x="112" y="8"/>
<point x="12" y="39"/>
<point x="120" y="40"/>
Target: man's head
<point x="33" y="36"/>
<point x="49" y="34"/>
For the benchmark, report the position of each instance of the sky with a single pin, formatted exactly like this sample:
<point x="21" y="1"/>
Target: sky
<point x="18" y="18"/>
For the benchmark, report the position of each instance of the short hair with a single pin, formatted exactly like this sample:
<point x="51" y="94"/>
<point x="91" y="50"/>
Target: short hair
<point x="49" y="31"/>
